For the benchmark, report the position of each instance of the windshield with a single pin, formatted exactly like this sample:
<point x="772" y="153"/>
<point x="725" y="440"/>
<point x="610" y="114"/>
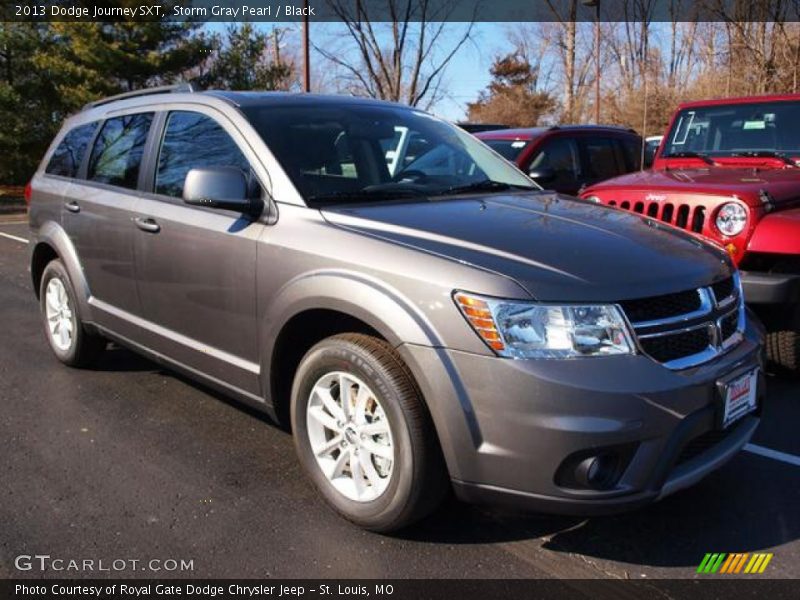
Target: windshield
<point x="367" y="152"/>
<point x="508" y="149"/>
<point x="736" y="130"/>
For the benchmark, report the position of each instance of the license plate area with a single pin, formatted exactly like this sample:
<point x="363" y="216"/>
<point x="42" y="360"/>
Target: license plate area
<point x="739" y="397"/>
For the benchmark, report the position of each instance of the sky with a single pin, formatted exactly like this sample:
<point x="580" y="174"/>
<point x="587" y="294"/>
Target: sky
<point x="466" y="75"/>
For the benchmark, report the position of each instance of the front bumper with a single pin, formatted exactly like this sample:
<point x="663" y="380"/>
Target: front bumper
<point x="510" y="428"/>
<point x="770" y="288"/>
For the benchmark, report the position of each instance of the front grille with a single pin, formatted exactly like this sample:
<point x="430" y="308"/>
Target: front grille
<point x="685" y="216"/>
<point x="723" y="289"/>
<point x="729" y="325"/>
<point x="702" y="443"/>
<point x="661" y="307"/>
<point x="687" y="328"/>
<point x="674" y="346"/>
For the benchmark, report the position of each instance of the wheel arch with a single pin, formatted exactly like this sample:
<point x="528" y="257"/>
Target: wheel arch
<point x="316" y="306"/>
<point x="52" y="242"/>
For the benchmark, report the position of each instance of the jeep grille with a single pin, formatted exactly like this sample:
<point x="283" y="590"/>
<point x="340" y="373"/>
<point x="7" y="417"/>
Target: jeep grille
<point x="685" y="216"/>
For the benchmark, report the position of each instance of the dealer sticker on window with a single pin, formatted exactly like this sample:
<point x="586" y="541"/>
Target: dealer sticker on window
<point x="740" y="397"/>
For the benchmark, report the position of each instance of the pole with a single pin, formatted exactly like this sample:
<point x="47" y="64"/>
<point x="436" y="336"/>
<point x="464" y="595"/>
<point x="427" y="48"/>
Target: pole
<point x="306" y="54"/>
<point x="597" y="63"/>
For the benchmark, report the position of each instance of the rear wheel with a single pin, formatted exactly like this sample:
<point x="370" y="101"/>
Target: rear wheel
<point x="363" y="433"/>
<point x="783" y="350"/>
<point x="69" y="340"/>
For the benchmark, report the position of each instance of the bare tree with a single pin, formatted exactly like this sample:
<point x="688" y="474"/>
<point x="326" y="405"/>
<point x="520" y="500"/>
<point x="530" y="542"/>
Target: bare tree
<point x="402" y="60"/>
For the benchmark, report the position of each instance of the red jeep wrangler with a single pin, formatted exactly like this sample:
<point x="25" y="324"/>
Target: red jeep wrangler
<point x="728" y="170"/>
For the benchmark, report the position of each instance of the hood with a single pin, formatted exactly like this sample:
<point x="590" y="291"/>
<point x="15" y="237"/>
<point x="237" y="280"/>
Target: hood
<point x="558" y="248"/>
<point x="746" y="183"/>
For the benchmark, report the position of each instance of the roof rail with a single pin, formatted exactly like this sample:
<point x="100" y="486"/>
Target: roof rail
<point x="164" y="89"/>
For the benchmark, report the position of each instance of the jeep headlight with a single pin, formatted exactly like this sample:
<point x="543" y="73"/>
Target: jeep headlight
<point x="731" y="218"/>
<point x="517" y="329"/>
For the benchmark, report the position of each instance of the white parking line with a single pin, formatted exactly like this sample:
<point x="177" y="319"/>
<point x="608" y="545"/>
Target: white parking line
<point x="13" y="237"/>
<point x="773" y="454"/>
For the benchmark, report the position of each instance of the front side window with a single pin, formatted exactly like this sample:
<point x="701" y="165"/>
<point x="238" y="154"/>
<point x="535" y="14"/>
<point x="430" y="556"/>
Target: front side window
<point x="736" y="130"/>
<point x="559" y="155"/>
<point x="117" y="153"/>
<point x="67" y="158"/>
<point x="193" y="141"/>
<point x="508" y="149"/>
<point x="371" y="153"/>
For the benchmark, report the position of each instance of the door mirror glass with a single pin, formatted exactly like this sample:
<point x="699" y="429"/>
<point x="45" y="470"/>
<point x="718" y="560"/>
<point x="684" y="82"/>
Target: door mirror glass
<point x="217" y="187"/>
<point x="542" y="174"/>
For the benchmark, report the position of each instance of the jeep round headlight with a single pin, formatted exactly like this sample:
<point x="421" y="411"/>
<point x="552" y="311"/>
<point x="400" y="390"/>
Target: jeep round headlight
<point x="519" y="329"/>
<point x="731" y="218"/>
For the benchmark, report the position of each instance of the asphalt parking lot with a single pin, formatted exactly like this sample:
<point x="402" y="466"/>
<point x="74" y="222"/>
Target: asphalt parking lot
<point x="131" y="461"/>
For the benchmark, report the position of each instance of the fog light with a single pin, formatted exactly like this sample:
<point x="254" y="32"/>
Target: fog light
<point x="598" y="472"/>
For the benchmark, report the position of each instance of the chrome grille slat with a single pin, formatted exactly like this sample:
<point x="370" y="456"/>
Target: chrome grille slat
<point x="687" y="339"/>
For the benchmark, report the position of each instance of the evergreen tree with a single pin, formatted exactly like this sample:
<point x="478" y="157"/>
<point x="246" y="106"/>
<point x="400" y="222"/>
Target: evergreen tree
<point x="242" y="60"/>
<point x="512" y="97"/>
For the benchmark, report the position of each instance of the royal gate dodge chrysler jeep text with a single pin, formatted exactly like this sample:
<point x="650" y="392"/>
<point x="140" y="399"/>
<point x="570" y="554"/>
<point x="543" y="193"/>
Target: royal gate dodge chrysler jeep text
<point x="729" y="170"/>
<point x="424" y="317"/>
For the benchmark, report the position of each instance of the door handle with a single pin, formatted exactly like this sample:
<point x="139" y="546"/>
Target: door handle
<point x="148" y="225"/>
<point x="72" y="206"/>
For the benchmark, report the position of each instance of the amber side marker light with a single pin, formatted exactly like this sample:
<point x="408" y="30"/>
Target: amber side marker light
<point x="731" y="248"/>
<point x="480" y="317"/>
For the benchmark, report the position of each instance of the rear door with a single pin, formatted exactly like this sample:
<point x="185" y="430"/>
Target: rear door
<point x="196" y="267"/>
<point x="99" y="206"/>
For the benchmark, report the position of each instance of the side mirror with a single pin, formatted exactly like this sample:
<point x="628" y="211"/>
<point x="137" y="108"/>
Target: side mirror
<point x="542" y="174"/>
<point x="218" y="187"/>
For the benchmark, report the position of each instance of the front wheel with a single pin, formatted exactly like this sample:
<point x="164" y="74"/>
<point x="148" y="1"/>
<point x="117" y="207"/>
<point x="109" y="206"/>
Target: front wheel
<point x="363" y="433"/>
<point x="783" y="350"/>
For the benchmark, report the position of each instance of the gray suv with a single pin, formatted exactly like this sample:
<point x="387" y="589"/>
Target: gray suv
<point x="420" y="313"/>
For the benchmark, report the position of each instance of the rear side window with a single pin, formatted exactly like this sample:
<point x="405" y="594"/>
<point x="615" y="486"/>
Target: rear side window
<point x="193" y="141"/>
<point x="117" y="153"/>
<point x="67" y="158"/>
<point x="632" y="149"/>
<point x="602" y="157"/>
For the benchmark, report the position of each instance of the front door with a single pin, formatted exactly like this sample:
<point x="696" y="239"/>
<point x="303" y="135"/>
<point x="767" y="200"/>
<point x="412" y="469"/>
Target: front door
<point x="196" y="267"/>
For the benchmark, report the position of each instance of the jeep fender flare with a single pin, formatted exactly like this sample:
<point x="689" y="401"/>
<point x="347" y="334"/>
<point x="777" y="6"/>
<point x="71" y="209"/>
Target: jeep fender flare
<point x="777" y="233"/>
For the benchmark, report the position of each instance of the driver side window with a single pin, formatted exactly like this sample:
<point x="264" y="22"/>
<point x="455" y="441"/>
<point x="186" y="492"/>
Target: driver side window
<point x="191" y="141"/>
<point x="560" y="155"/>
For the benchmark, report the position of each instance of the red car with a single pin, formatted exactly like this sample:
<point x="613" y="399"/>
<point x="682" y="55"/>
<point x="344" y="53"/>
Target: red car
<point x="568" y="157"/>
<point x="729" y="170"/>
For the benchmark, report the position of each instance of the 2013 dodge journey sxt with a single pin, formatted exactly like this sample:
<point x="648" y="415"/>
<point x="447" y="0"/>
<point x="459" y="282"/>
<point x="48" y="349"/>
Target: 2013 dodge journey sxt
<point x="420" y="312"/>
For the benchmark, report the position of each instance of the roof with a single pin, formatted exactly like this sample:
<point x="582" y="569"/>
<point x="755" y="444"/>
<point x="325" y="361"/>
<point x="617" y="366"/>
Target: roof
<point x="250" y="99"/>
<point x="740" y="100"/>
<point x="529" y="133"/>
<point x="239" y="99"/>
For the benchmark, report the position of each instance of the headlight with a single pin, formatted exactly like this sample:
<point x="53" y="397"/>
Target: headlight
<point x="528" y="330"/>
<point x="731" y="218"/>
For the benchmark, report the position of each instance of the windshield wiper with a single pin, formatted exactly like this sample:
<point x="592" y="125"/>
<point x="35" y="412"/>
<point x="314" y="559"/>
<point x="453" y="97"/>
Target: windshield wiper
<point x="486" y="185"/>
<point x="689" y="154"/>
<point x="766" y="154"/>
<point x="366" y="195"/>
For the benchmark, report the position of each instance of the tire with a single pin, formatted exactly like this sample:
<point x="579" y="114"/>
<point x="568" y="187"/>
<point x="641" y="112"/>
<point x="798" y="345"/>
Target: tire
<point x="392" y="493"/>
<point x="65" y="332"/>
<point x="783" y="350"/>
